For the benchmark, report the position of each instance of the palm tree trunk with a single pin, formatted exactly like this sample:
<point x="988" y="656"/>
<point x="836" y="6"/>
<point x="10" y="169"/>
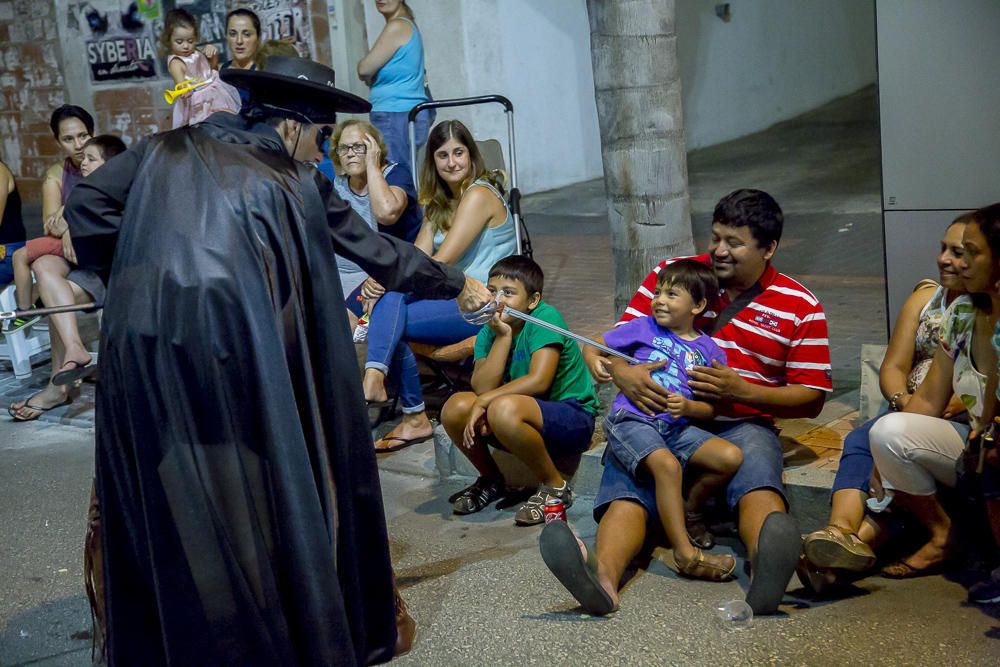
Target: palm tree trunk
<point x="638" y="90"/>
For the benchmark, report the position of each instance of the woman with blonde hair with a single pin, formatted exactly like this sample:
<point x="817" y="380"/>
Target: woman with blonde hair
<point x="466" y="224"/>
<point x="379" y="190"/>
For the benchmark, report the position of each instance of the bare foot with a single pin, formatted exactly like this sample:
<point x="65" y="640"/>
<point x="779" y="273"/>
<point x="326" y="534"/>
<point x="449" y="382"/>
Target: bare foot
<point x="608" y="587"/>
<point x="374" y="385"/>
<point x="33" y="406"/>
<point x="412" y="427"/>
<point x="929" y="555"/>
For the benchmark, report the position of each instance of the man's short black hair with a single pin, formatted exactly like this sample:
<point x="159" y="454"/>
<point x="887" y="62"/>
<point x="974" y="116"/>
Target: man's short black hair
<point x="754" y="209"/>
<point x="689" y="274"/>
<point x="520" y="267"/>
<point x="70" y="111"/>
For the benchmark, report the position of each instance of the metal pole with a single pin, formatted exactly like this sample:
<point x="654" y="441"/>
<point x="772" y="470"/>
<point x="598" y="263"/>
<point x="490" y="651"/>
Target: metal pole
<point x="513" y="178"/>
<point x="569" y="334"/>
<point x="54" y="310"/>
<point x="412" y="129"/>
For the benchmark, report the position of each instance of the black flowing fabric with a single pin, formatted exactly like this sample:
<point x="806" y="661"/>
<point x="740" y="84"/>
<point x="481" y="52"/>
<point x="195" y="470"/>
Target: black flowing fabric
<point x="235" y="469"/>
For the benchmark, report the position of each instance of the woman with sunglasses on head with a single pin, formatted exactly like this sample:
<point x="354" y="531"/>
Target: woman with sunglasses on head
<point x="379" y="190"/>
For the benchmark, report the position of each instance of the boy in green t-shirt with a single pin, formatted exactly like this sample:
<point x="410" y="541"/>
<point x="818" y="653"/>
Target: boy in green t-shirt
<point x="531" y="396"/>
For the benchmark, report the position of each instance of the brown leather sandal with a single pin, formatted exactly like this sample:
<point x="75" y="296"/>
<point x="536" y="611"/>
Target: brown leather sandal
<point x="710" y="567"/>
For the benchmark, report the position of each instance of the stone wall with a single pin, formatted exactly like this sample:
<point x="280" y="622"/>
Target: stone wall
<point x="31" y="85"/>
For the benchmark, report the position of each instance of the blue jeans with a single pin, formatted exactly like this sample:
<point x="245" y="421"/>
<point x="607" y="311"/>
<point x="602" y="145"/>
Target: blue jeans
<point x="7" y="264"/>
<point x="856" y="462"/>
<point x="398" y="318"/>
<point x="395" y="131"/>
<point x="763" y="459"/>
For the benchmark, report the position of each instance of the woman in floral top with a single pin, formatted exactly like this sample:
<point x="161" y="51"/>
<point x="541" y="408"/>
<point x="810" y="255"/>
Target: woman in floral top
<point x="844" y="543"/>
<point x="915" y="450"/>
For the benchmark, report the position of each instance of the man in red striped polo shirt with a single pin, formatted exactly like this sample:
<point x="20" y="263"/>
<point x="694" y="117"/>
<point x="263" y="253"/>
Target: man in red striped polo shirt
<point x="775" y="337"/>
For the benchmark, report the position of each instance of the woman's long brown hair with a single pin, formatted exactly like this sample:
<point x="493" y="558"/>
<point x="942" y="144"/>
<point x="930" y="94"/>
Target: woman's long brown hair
<point x="435" y="195"/>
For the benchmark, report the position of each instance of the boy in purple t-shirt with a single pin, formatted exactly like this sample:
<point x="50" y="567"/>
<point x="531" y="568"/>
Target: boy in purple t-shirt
<point x="648" y="453"/>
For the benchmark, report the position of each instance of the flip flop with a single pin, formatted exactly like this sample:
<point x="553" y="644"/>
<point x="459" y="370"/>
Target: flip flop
<point x="771" y="569"/>
<point x="71" y="375"/>
<point x="903" y="570"/>
<point x="40" y="410"/>
<point x="561" y="553"/>
<point x="403" y="442"/>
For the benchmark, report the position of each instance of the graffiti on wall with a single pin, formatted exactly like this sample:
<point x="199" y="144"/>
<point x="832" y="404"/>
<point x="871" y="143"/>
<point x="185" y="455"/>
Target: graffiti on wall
<point x="122" y="36"/>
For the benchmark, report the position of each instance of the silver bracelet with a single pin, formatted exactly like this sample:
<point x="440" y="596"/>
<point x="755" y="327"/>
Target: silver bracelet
<point x="894" y="401"/>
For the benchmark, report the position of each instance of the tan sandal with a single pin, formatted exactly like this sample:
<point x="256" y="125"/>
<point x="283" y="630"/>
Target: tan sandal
<point x="710" y="567"/>
<point x="836" y="548"/>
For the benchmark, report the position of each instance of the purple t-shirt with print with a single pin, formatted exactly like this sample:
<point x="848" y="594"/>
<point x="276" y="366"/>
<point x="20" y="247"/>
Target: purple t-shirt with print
<point x="647" y="341"/>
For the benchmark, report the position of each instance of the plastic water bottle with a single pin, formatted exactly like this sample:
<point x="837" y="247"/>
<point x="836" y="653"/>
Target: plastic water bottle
<point x="733" y="615"/>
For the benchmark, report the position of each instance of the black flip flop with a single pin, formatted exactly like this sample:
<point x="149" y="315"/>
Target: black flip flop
<point x="71" y="375"/>
<point x="771" y="569"/>
<point x="562" y="556"/>
<point x="403" y="443"/>
<point x="40" y="410"/>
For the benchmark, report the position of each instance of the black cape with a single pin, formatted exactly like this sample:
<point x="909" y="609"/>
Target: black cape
<point x="243" y="520"/>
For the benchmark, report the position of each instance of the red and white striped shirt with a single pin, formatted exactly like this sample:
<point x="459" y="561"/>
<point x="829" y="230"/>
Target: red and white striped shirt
<point x="778" y="339"/>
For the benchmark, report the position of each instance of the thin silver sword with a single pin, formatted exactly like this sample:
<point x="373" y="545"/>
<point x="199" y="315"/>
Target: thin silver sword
<point x="483" y="315"/>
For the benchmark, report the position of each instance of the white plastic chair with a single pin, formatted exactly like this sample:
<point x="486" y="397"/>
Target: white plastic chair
<point x="19" y="347"/>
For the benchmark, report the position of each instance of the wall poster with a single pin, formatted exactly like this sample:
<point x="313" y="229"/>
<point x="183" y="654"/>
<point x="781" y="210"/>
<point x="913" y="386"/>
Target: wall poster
<point x="122" y="36"/>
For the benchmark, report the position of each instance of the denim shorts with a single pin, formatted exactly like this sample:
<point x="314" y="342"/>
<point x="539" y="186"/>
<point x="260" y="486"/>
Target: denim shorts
<point x="567" y="428"/>
<point x="631" y="438"/>
<point x="763" y="460"/>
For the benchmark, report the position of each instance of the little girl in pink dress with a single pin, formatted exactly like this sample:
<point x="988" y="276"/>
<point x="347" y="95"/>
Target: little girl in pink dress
<point x="180" y="34"/>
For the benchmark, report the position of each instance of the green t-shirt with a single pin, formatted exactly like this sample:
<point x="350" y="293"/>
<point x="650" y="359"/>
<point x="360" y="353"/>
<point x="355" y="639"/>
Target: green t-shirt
<point x="571" y="380"/>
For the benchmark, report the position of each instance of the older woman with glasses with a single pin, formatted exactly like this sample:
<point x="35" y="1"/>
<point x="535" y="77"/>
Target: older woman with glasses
<point x="380" y="191"/>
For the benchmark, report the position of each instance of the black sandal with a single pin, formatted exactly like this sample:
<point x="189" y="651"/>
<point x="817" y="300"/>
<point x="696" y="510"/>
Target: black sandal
<point x="13" y="412"/>
<point x="477" y="497"/>
<point x="77" y="373"/>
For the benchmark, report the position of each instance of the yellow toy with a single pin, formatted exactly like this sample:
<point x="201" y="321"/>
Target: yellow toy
<point x="185" y="86"/>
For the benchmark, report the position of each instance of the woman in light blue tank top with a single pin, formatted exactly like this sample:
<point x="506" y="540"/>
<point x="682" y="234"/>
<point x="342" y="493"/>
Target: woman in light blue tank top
<point x="394" y="69"/>
<point x="466" y="224"/>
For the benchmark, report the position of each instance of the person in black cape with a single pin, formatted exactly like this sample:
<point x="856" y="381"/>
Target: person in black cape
<point x="243" y="520"/>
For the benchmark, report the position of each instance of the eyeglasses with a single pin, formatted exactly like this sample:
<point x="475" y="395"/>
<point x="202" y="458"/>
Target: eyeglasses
<point x="343" y="149"/>
<point x="322" y="135"/>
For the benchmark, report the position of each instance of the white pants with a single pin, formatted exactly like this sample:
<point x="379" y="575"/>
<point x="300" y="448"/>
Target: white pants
<point x="915" y="452"/>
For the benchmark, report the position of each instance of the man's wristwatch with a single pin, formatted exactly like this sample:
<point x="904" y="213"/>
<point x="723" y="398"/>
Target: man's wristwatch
<point x="894" y="401"/>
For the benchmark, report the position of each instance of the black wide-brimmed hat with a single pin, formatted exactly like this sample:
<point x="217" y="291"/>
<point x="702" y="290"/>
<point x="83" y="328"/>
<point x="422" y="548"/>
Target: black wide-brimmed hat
<point x="297" y="85"/>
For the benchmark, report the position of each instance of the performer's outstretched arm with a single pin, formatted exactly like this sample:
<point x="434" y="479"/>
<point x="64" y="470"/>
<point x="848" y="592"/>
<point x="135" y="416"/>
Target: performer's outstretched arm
<point x="95" y="207"/>
<point x="396" y="264"/>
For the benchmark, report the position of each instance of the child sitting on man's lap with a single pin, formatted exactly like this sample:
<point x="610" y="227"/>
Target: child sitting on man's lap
<point x="649" y="453"/>
<point x="531" y="396"/>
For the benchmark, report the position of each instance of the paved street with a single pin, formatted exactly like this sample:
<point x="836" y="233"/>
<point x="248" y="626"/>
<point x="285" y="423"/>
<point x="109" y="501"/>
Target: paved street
<point x="478" y="589"/>
<point x="476" y="585"/>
